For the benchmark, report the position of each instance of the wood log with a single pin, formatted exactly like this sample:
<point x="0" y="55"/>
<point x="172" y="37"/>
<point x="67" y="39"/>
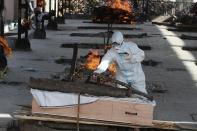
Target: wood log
<point x="77" y="87"/>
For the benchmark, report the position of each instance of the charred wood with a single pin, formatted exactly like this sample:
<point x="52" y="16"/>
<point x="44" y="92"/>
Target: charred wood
<point x="76" y="87"/>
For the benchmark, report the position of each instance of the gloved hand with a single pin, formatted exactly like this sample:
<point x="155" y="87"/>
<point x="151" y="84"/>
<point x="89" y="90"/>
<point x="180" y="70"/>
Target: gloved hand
<point x="128" y="56"/>
<point x="125" y="55"/>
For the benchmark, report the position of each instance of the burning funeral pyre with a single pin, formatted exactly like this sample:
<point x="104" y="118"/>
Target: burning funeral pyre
<point x="116" y="11"/>
<point x="81" y="77"/>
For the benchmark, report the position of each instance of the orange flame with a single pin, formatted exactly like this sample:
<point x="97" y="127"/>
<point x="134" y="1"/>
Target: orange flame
<point x="94" y="59"/>
<point x="112" y="69"/>
<point x="120" y="4"/>
<point x="4" y="44"/>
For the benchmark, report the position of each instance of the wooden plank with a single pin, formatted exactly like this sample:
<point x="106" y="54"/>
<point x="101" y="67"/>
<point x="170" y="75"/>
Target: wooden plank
<point x="32" y="125"/>
<point x="57" y="119"/>
<point x="67" y="120"/>
<point x="175" y="125"/>
<point x="164" y="125"/>
<point x="157" y="124"/>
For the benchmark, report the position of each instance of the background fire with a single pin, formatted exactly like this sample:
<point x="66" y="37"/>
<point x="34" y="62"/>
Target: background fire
<point x="115" y="11"/>
<point x="120" y="4"/>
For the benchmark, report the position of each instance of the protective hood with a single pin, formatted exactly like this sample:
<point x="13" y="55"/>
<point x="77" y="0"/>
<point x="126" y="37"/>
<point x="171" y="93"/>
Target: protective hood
<point x="117" y="37"/>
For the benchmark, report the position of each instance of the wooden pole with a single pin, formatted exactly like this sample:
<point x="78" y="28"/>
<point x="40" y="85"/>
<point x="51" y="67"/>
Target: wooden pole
<point x="147" y="7"/>
<point x="69" y="6"/>
<point x="1" y="18"/>
<point x="55" y="7"/>
<point x="78" y="111"/>
<point x="49" y="5"/>
<point x="19" y="19"/>
<point x="74" y="60"/>
<point x="26" y="16"/>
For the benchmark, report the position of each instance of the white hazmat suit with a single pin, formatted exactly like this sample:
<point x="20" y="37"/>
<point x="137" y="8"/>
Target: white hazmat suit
<point x="127" y="57"/>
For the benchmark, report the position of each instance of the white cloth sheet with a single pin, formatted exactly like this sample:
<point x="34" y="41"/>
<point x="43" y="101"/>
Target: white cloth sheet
<point x="58" y="99"/>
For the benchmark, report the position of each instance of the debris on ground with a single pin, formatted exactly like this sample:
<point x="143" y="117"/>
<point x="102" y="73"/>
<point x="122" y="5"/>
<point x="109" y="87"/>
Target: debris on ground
<point x="156" y="87"/>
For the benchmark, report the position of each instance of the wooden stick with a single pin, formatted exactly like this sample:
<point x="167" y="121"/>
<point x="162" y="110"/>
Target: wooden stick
<point x="78" y="109"/>
<point x="130" y="88"/>
<point x="74" y="61"/>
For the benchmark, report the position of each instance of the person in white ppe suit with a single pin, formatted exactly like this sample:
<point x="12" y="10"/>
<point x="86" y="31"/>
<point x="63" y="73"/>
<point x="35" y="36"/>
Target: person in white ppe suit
<point x="128" y="58"/>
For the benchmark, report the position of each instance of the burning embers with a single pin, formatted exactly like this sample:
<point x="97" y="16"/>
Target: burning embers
<point x="93" y="60"/>
<point x="116" y="11"/>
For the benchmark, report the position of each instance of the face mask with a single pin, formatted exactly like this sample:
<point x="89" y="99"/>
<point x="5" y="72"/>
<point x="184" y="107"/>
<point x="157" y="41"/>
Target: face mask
<point x="116" y="46"/>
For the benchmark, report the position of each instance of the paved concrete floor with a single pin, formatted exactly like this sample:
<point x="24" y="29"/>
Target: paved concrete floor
<point x="176" y="72"/>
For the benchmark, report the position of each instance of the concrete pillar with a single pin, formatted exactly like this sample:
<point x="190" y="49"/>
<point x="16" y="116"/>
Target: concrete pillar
<point x="9" y="12"/>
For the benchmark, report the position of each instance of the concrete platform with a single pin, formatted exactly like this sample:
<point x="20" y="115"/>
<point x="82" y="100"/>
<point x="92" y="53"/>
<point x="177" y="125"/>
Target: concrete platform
<point x="176" y="72"/>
